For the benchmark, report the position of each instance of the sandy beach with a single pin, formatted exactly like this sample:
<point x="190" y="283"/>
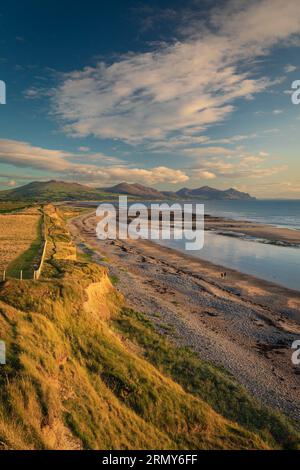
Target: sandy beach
<point x="242" y="323"/>
<point x="274" y="235"/>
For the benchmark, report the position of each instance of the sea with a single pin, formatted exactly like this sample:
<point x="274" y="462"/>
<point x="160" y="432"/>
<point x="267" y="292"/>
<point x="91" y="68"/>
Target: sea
<point x="278" y="264"/>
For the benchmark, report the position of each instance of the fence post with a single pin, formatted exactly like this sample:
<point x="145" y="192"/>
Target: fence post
<point x="4" y="275"/>
<point x="21" y="275"/>
<point x="37" y="272"/>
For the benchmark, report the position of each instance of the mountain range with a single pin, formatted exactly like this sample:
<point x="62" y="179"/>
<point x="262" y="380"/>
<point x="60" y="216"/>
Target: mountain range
<point x="206" y="192"/>
<point x="60" y="190"/>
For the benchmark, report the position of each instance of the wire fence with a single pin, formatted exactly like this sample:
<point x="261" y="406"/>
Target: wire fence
<point x="36" y="272"/>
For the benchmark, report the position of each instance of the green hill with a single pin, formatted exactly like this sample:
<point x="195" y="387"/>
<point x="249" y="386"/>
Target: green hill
<point x="136" y="189"/>
<point x="51" y="191"/>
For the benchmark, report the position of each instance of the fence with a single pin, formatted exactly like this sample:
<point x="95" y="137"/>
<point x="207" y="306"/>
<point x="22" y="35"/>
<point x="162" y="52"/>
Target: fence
<point x="36" y="272"/>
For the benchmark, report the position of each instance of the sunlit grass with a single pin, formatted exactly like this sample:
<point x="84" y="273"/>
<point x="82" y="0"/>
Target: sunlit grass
<point x="82" y="374"/>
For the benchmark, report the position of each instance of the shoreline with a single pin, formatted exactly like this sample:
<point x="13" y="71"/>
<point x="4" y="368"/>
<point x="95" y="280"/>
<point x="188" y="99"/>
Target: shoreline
<point x="262" y="233"/>
<point x="255" y="231"/>
<point x="242" y="323"/>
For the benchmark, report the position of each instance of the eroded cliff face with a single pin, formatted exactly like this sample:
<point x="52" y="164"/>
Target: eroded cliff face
<point x="99" y="295"/>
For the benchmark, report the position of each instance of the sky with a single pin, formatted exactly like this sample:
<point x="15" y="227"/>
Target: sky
<point x="164" y="93"/>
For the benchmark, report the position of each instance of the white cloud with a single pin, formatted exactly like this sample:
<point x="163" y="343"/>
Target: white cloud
<point x="181" y="86"/>
<point x="149" y="176"/>
<point x="290" y="68"/>
<point x="273" y="189"/>
<point x="262" y="153"/>
<point x="199" y="152"/>
<point x="231" y="171"/>
<point x="238" y="164"/>
<point x="207" y="175"/>
<point x="233" y="139"/>
<point x="23" y="154"/>
<point x="7" y="183"/>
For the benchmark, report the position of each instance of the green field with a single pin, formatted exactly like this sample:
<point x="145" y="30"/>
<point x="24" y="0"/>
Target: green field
<point x="8" y="207"/>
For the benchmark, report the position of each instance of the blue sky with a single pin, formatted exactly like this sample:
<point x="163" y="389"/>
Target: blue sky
<point x="164" y="93"/>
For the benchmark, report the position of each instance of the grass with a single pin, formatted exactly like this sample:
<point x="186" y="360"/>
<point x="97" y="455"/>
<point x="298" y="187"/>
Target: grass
<point x="20" y="242"/>
<point x="8" y="207"/>
<point x="86" y="374"/>
<point x="70" y="382"/>
<point x="114" y="279"/>
<point x="213" y="385"/>
<point x="85" y="256"/>
<point x="29" y="259"/>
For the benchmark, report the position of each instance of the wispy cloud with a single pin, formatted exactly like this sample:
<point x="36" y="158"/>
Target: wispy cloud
<point x="185" y="85"/>
<point x="290" y="68"/>
<point x="219" y="162"/>
<point x="22" y="154"/>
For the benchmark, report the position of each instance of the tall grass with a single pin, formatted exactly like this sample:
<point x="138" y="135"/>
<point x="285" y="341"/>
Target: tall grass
<point x="212" y="384"/>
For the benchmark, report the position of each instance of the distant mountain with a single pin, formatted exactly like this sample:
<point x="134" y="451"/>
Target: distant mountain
<point x="135" y="190"/>
<point x="60" y="190"/>
<point x="51" y="191"/>
<point x="206" y="192"/>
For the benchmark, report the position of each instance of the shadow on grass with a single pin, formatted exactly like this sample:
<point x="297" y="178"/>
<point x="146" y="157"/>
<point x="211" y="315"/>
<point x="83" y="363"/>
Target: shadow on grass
<point x="29" y="260"/>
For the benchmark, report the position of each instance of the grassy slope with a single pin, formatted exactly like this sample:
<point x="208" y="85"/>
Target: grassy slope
<point x="52" y="191"/>
<point x="8" y="207"/>
<point x="76" y="379"/>
<point x="212" y="384"/>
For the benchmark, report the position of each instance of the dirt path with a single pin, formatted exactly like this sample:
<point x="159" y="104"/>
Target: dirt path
<point x="244" y="324"/>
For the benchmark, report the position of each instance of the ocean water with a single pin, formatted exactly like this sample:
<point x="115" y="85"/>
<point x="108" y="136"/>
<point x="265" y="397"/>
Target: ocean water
<point x="284" y="213"/>
<point x="277" y="264"/>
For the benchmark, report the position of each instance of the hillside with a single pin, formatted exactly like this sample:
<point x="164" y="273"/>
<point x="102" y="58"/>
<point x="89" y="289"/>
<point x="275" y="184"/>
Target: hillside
<point x="206" y="192"/>
<point x="85" y="372"/>
<point x="135" y="190"/>
<point x="52" y="191"/>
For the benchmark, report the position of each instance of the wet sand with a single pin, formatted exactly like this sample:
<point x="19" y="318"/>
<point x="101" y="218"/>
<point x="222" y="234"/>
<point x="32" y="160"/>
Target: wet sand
<point x="242" y="323"/>
<point x="271" y="234"/>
